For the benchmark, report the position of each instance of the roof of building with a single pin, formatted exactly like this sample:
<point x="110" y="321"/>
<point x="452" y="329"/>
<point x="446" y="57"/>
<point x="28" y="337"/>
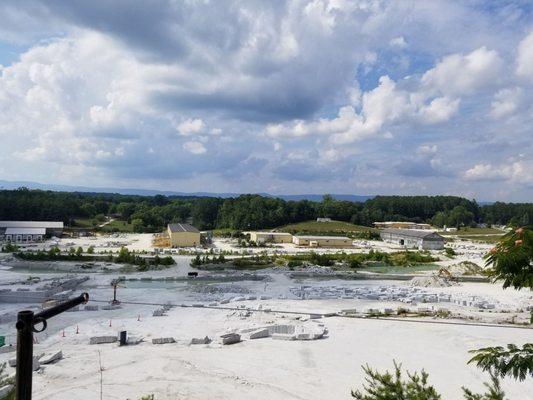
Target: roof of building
<point x="413" y="233"/>
<point x="273" y="233"/>
<point x="25" y="231"/>
<point x="31" y="224"/>
<point x="179" y="227"/>
<point x="323" y="237"/>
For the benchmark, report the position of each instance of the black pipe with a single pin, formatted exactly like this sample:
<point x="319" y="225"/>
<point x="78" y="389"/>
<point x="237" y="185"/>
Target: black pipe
<point x="24" y="354"/>
<point x="25" y="327"/>
<point x="67" y="305"/>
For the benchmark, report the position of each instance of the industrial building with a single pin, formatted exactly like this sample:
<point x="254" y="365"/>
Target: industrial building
<point x="401" y="225"/>
<point x="270" y="237"/>
<point x="322" y="241"/>
<point x="183" y="235"/>
<point x="413" y="239"/>
<point x="29" y="231"/>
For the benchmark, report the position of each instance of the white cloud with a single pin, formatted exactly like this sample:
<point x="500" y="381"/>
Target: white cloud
<point x="439" y="110"/>
<point x="381" y="107"/>
<point x="520" y="171"/>
<point x="427" y="149"/>
<point x="194" y="147"/>
<point x="459" y="74"/>
<point x="506" y="102"/>
<point x="524" y="60"/>
<point x="191" y="127"/>
<point x="398" y="42"/>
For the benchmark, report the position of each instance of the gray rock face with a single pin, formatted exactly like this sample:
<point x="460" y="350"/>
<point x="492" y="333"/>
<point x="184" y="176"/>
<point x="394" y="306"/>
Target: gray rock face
<point x="102" y="339"/>
<point x="52" y="357"/>
<point x="5" y="390"/>
<point x="259" y="334"/>
<point x="231" y="338"/>
<point x="132" y="340"/>
<point x="204" y="340"/>
<point x="158" y="313"/>
<point x="282" y="336"/>
<point x="164" y="340"/>
<point x="35" y="366"/>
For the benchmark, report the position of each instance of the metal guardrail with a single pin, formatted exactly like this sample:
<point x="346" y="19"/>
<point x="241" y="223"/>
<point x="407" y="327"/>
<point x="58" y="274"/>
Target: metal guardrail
<point x="26" y="326"/>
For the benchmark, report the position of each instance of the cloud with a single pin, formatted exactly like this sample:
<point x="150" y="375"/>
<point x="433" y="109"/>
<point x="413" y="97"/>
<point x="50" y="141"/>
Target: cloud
<point x="458" y="74"/>
<point x="253" y="95"/>
<point x="381" y="107"/>
<point x="517" y="171"/>
<point x="194" y="147"/>
<point x="191" y="126"/>
<point x="398" y="42"/>
<point x="524" y="60"/>
<point x="506" y="102"/>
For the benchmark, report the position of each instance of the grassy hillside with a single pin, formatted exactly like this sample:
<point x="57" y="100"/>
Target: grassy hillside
<point x="325" y="228"/>
<point x="487" y="235"/>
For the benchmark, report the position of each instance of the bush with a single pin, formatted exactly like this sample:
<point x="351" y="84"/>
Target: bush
<point x="10" y="248"/>
<point x="388" y="386"/>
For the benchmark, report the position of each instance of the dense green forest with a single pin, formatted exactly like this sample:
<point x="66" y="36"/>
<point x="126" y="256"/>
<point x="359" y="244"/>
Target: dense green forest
<point x="152" y="213"/>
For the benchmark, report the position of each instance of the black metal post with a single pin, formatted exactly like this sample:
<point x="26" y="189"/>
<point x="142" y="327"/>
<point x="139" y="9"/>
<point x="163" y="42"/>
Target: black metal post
<point x="25" y="327"/>
<point x="24" y="354"/>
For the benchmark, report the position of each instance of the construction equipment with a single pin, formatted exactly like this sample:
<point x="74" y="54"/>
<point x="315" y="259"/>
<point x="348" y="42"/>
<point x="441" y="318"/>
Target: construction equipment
<point x="116" y="284"/>
<point x="444" y="273"/>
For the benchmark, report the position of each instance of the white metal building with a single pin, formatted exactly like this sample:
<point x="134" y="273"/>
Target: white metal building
<point x="29" y="231"/>
<point x="322" y="241"/>
<point x="414" y="239"/>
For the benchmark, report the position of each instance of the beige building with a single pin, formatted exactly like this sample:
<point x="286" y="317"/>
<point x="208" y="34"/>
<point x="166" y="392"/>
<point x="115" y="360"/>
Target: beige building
<point x="270" y="237"/>
<point x="322" y="241"/>
<point x="183" y="235"/>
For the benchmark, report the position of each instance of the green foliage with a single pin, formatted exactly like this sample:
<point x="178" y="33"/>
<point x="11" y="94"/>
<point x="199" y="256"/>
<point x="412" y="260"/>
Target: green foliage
<point x="457" y="217"/>
<point x="511" y="361"/>
<point x="449" y="252"/>
<point x="495" y="391"/>
<point x="10" y="248"/>
<point x="512" y="259"/>
<point x="90" y="250"/>
<point x="246" y="212"/>
<point x="356" y="260"/>
<point x="387" y="386"/>
<point x="6" y="380"/>
<point x="393" y="386"/>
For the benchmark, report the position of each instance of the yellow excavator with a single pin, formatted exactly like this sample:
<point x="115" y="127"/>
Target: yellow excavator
<point x="444" y="273"/>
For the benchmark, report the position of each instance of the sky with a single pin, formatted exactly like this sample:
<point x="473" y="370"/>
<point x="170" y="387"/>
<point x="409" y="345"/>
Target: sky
<point x="286" y="97"/>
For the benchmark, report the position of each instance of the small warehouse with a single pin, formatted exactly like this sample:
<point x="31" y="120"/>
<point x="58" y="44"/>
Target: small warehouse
<point x="270" y="237"/>
<point x="183" y="235"/>
<point x="29" y="231"/>
<point x="413" y="239"/>
<point x="322" y="241"/>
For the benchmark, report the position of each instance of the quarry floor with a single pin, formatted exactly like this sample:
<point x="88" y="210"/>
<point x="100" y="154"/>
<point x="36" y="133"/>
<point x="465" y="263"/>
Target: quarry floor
<point x="328" y="368"/>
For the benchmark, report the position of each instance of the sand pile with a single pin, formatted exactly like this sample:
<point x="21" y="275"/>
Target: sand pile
<point x="465" y="268"/>
<point x="430" y="281"/>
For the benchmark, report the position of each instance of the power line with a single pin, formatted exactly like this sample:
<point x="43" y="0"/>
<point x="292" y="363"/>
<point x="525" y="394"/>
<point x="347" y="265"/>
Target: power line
<point x="330" y="315"/>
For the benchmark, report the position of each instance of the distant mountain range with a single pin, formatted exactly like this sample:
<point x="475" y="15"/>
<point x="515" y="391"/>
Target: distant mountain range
<point x="9" y="185"/>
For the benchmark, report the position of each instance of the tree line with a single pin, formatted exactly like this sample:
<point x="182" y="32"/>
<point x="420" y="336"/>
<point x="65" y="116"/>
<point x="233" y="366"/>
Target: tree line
<point x="152" y="213"/>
